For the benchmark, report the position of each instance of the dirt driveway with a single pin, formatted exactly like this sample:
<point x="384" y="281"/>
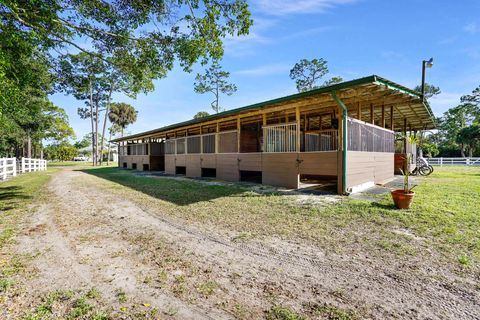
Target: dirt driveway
<point x="140" y="261"/>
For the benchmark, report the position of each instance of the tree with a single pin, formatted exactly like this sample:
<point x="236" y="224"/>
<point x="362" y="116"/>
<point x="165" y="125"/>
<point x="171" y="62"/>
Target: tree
<point x="430" y="149"/>
<point x="63" y="151"/>
<point x="430" y="90"/>
<point x="332" y="81"/>
<point x="306" y="73"/>
<point x="137" y="41"/>
<point x="143" y="37"/>
<point x="201" y="114"/>
<point x="214" y="81"/>
<point x="122" y="114"/>
<point x="470" y="137"/>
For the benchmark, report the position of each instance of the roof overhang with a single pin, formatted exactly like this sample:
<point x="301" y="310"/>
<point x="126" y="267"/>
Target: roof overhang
<point x="408" y="106"/>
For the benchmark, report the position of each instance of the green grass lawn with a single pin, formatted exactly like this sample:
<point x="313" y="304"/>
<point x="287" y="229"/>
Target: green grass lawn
<point x="445" y="213"/>
<point x="15" y="196"/>
<point x="83" y="164"/>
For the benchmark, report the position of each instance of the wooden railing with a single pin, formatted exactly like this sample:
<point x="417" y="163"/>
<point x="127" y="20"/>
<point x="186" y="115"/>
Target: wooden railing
<point x="10" y="167"/>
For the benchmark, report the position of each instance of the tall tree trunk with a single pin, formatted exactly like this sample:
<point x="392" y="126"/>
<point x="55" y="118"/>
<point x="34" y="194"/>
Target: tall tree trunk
<point x="91" y="122"/>
<point x="470" y="152"/>
<point x="108" y="152"/>
<point x="105" y="123"/>
<point x="29" y="146"/>
<point x="96" y="130"/>
<point x="462" y="150"/>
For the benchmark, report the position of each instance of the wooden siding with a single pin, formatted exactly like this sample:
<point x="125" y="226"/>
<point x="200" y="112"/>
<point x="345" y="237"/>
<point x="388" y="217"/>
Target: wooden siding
<point x="139" y="160"/>
<point x="193" y="166"/>
<point x="227" y="167"/>
<point x="180" y="160"/>
<point x="170" y="164"/>
<point x="250" y="161"/>
<point x="364" y="167"/>
<point x="208" y="161"/>
<point x="318" y="163"/>
<point x="280" y="169"/>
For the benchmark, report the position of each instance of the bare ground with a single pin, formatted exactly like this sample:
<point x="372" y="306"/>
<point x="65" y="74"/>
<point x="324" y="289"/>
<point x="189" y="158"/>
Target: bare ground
<point x="85" y="238"/>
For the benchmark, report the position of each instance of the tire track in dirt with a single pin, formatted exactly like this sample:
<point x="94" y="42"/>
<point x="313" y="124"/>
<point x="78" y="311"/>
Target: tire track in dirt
<point x="306" y="274"/>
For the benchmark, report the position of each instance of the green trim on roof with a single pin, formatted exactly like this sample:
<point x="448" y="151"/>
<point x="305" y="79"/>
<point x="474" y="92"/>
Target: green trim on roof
<point x="260" y="105"/>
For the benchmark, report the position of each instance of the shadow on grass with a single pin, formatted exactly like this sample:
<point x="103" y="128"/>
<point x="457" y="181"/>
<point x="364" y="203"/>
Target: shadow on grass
<point x="177" y="191"/>
<point x="9" y="196"/>
<point x="386" y="206"/>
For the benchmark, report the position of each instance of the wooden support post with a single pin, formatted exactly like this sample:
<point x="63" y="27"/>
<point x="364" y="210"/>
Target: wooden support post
<point x="372" y="115"/>
<point x="391" y="118"/>
<point x="201" y="141"/>
<point x="238" y="134"/>
<point x="217" y="137"/>
<point x="404" y="135"/>
<point x="297" y="120"/>
<point x="383" y="115"/>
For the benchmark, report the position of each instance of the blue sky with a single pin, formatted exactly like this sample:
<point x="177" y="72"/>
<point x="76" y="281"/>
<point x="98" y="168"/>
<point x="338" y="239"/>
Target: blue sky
<point x="356" y="37"/>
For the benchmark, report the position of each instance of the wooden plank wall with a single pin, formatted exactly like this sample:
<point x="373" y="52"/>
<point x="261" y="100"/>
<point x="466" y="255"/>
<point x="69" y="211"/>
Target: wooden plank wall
<point x="227" y="167"/>
<point x="280" y="169"/>
<point x="193" y="166"/>
<point x="170" y="164"/>
<point x="139" y="160"/>
<point x="250" y="161"/>
<point x="364" y="167"/>
<point x="318" y="163"/>
<point x="208" y="161"/>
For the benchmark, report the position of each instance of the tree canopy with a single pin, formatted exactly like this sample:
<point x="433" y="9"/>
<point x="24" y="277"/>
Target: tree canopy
<point x="307" y="73"/>
<point x="48" y="45"/>
<point x="214" y="81"/>
<point x="122" y="114"/>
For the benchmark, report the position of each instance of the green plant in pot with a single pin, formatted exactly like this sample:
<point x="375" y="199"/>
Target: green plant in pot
<point x="403" y="198"/>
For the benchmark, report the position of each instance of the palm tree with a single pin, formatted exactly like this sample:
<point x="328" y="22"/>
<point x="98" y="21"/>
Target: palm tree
<point x="122" y="114"/>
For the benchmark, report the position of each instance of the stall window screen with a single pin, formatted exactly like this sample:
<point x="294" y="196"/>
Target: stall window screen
<point x="325" y="140"/>
<point x="227" y="142"/>
<point x="181" y="146"/>
<point x="170" y="146"/>
<point x="193" y="144"/>
<point x="369" y="138"/>
<point x="280" y="138"/>
<point x="209" y="143"/>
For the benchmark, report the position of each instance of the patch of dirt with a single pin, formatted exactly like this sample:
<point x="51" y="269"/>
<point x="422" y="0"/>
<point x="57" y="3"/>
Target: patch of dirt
<point x="85" y="237"/>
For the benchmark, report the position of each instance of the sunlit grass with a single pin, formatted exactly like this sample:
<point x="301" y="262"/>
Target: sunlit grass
<point x="445" y="212"/>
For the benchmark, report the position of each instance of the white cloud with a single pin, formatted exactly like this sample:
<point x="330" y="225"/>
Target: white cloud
<point x="265" y="70"/>
<point x="472" y="28"/>
<point x="282" y="7"/>
<point x="306" y="32"/>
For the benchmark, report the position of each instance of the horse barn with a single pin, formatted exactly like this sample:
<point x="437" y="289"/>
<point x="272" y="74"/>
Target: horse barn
<point x="339" y="137"/>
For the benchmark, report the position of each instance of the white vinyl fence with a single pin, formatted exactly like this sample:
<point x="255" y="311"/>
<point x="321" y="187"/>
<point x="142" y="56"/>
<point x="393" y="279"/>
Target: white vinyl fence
<point x="10" y="167"/>
<point x="454" y="161"/>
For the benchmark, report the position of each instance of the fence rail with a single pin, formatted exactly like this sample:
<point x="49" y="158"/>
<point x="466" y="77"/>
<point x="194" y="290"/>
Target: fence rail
<point x="10" y="167"/>
<point x="454" y="161"/>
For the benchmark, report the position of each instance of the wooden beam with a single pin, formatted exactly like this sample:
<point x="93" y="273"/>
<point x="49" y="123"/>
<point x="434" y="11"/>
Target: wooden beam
<point x="238" y="134"/>
<point x="216" y="136"/>
<point x="372" y="116"/>
<point x="383" y="116"/>
<point x="391" y="118"/>
<point x="297" y="120"/>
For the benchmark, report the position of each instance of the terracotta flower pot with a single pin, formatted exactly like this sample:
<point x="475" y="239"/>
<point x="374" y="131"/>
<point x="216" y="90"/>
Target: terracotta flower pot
<point x="401" y="199"/>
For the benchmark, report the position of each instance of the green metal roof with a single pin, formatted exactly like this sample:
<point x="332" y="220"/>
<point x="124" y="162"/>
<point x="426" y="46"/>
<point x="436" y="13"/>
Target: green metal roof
<point x="373" y="79"/>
